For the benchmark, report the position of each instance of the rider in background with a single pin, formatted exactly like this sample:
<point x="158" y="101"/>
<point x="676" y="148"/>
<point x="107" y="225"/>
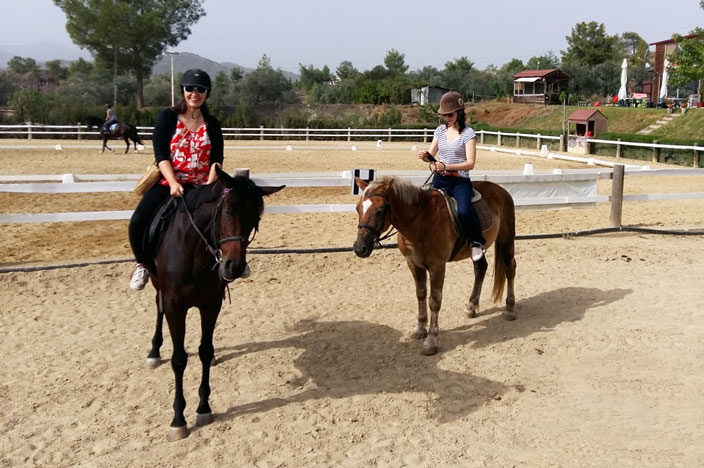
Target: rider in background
<point x="188" y="145"/>
<point x="110" y="118"/>
<point x="454" y="146"/>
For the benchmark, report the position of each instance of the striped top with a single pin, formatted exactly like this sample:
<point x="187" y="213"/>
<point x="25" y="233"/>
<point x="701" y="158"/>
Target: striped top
<point x="453" y="152"/>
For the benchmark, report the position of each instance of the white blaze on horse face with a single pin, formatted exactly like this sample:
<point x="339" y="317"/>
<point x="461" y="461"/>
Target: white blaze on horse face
<point x="365" y="206"/>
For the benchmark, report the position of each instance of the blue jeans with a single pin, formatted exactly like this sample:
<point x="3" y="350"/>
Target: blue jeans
<point x="460" y="188"/>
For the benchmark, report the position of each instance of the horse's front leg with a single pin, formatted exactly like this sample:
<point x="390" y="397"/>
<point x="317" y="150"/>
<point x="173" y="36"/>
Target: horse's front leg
<point x="176" y="318"/>
<point x="105" y="144"/>
<point x="420" y="278"/>
<point x="437" y="280"/>
<point x="127" y="140"/>
<point x="154" y="356"/>
<point x="480" y="268"/>
<point x="208" y="318"/>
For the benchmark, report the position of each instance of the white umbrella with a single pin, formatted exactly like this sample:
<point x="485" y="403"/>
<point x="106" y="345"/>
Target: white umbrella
<point x="622" y="93"/>
<point x="663" y="83"/>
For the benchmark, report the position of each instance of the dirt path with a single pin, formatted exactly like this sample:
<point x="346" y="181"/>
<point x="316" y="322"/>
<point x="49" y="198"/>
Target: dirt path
<point x="603" y="366"/>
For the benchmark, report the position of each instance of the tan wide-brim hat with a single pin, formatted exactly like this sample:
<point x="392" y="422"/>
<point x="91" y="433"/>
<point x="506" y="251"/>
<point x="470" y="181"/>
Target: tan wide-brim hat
<point x="450" y="102"/>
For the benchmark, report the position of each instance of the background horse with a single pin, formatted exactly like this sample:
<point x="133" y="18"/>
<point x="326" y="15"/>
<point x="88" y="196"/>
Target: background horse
<point x="426" y="239"/>
<point x="126" y="131"/>
<point x="203" y="249"/>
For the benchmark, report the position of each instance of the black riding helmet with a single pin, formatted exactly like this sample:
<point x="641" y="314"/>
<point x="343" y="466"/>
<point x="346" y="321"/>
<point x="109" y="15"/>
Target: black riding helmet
<point x="196" y="77"/>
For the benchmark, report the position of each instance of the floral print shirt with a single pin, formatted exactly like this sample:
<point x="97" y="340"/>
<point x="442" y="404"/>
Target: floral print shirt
<point x="190" y="155"/>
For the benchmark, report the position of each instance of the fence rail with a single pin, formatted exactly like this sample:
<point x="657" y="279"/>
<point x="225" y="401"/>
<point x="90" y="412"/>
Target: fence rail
<point x="29" y="131"/>
<point x="568" y="189"/>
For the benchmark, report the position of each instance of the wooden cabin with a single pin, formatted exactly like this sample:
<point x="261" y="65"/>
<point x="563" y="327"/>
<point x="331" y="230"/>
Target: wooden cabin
<point x="663" y="49"/>
<point x="539" y="86"/>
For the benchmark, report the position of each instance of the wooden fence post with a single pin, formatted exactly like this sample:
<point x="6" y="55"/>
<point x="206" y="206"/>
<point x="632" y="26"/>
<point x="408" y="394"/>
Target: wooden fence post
<point x="617" y="195"/>
<point x="618" y="148"/>
<point x="498" y="139"/>
<point x="656" y="152"/>
<point x="349" y="134"/>
<point x="79" y="130"/>
<point x="307" y="134"/>
<point x="539" y="141"/>
<point x="518" y="140"/>
<point x="389" y="134"/>
<point x="695" y="157"/>
<point x="29" y="130"/>
<point x="425" y="135"/>
<point x="562" y="143"/>
<point x="481" y="137"/>
<point x="261" y="133"/>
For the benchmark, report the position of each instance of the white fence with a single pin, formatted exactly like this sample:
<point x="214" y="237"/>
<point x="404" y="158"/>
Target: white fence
<point x="553" y="190"/>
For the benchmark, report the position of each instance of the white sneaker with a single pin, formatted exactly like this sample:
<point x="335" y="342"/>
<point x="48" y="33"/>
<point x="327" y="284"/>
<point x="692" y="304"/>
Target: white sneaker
<point x="139" y="277"/>
<point x="477" y="251"/>
<point x="246" y="272"/>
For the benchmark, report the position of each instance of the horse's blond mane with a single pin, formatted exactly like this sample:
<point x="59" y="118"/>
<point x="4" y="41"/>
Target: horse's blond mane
<point x="404" y="190"/>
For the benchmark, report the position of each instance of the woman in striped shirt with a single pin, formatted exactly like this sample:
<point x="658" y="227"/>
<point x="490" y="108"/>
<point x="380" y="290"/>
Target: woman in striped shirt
<point x="454" y="148"/>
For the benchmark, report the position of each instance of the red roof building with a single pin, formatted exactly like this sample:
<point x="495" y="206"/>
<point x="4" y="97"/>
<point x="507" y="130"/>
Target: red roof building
<point x="539" y="86"/>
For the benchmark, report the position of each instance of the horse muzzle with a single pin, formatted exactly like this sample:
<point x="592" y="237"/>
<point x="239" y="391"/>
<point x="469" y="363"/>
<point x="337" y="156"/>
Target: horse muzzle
<point x="363" y="246"/>
<point x="231" y="268"/>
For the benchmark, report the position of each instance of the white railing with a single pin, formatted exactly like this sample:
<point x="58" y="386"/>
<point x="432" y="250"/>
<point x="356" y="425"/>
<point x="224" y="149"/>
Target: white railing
<point x="561" y="189"/>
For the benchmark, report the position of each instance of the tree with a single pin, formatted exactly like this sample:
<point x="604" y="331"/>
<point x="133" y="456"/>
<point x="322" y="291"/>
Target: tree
<point x="589" y="45"/>
<point x="514" y="66"/>
<point x="22" y="66"/>
<point x="688" y="59"/>
<point x="634" y="48"/>
<point x="132" y="34"/>
<point x="543" y="62"/>
<point x="346" y="71"/>
<point x="395" y="62"/>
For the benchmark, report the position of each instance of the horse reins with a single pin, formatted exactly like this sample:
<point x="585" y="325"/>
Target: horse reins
<point x="377" y="230"/>
<point x="216" y="253"/>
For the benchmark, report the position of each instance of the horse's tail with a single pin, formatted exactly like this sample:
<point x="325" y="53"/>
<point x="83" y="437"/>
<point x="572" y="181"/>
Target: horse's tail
<point x="504" y="260"/>
<point x="135" y="134"/>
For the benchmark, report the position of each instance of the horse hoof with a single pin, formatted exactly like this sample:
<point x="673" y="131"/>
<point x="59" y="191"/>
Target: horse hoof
<point x="178" y="433"/>
<point x="419" y="334"/>
<point x="471" y="312"/>
<point x="152" y="363"/>
<point x="204" y="419"/>
<point x="429" y="351"/>
<point x="509" y="315"/>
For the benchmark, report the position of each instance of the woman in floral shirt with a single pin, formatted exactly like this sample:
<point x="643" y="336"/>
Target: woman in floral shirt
<point x="188" y="144"/>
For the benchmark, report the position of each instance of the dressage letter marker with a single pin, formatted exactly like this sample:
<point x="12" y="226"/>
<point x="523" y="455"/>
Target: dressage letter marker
<point x="365" y="174"/>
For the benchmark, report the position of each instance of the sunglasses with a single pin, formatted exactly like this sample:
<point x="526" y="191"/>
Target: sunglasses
<point x="198" y="89"/>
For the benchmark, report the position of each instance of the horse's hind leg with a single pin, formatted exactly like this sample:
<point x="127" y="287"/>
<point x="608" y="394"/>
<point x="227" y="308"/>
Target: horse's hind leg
<point x="127" y="140"/>
<point x="480" y="268"/>
<point x="510" y="263"/>
<point x="208" y="317"/>
<point x="154" y="356"/>
<point x="420" y="277"/>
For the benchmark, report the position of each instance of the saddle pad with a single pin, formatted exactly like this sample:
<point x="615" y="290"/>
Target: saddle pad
<point x="481" y="208"/>
<point x="113" y="127"/>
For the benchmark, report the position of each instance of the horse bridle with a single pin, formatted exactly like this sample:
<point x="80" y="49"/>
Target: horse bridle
<point x="216" y="252"/>
<point x="377" y="231"/>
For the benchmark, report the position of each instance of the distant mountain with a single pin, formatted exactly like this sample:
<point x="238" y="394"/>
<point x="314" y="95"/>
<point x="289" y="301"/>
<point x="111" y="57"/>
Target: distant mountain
<point x="186" y="60"/>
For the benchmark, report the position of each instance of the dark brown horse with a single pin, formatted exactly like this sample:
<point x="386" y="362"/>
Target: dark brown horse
<point x="122" y="130"/>
<point x="203" y="249"/>
<point x="426" y="238"/>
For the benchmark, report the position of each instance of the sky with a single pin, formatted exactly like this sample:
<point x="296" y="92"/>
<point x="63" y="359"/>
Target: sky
<point x="326" y="32"/>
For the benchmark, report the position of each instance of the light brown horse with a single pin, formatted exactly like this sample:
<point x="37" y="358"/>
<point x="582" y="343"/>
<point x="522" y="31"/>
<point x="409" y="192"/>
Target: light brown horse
<point x="426" y="238"/>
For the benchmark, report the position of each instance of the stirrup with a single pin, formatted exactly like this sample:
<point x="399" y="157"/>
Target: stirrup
<point x="477" y="251"/>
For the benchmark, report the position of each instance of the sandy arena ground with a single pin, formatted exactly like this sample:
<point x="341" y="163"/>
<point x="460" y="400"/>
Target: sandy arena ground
<point x="603" y="366"/>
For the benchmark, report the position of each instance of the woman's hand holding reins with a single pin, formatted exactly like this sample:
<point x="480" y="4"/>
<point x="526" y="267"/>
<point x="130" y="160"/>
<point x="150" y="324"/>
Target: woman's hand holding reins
<point x="176" y="189"/>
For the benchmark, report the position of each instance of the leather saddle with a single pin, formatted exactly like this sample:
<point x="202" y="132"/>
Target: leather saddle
<point x="154" y="234"/>
<point x="481" y="208"/>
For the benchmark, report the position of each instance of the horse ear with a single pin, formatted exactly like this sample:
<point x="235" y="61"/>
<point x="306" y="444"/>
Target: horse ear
<point x="270" y="190"/>
<point x="223" y="176"/>
<point x="361" y="183"/>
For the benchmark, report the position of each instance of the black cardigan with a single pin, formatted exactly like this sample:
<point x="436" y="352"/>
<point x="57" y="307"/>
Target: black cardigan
<point x="165" y="128"/>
